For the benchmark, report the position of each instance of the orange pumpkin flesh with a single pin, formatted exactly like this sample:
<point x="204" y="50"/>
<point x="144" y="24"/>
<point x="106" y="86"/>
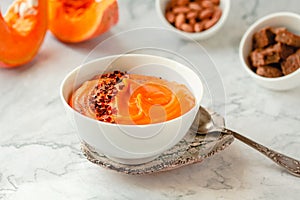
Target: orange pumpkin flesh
<point x="76" y="21"/>
<point x="22" y="35"/>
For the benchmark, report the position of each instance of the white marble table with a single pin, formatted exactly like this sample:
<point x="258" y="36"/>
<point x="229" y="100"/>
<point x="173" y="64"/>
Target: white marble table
<point x="40" y="156"/>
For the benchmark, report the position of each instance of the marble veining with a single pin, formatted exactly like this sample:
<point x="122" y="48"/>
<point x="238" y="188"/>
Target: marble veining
<point x="40" y="155"/>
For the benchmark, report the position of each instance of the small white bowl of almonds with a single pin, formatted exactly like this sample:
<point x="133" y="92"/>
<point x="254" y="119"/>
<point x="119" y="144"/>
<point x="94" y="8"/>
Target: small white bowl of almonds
<point x="195" y="19"/>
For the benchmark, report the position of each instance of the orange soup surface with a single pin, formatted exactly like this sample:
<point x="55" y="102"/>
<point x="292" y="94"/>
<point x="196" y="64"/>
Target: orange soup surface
<point x="122" y="98"/>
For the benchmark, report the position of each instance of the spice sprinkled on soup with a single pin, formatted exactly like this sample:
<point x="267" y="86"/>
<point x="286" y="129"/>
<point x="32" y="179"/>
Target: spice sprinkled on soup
<point x="122" y="98"/>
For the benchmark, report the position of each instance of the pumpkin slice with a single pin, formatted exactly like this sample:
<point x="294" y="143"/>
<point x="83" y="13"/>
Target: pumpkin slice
<point x="79" y="20"/>
<point x="22" y="31"/>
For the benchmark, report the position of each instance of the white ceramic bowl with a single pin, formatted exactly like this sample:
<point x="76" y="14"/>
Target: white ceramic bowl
<point x="132" y="144"/>
<point x="224" y="5"/>
<point x="282" y="19"/>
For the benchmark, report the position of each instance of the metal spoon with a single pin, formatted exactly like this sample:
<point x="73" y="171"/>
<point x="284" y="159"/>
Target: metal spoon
<point x="206" y="126"/>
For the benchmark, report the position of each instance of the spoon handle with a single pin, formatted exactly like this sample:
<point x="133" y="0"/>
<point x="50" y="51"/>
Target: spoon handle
<point x="292" y="165"/>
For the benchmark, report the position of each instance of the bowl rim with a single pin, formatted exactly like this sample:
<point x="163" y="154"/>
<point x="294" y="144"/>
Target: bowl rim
<point x="247" y="35"/>
<point x="66" y="105"/>
<point x="203" y="34"/>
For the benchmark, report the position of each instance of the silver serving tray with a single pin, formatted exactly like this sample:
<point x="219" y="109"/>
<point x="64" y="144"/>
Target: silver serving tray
<point x="193" y="148"/>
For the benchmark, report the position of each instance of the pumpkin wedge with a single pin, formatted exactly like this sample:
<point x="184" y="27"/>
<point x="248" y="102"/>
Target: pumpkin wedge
<point x="75" y="21"/>
<point x="22" y="31"/>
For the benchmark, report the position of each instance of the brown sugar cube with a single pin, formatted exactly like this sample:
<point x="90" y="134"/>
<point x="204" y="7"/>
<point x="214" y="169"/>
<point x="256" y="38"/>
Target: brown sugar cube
<point x="286" y="37"/>
<point x="256" y="58"/>
<point x="261" y="57"/>
<point x="291" y="64"/>
<point x="269" y="71"/>
<point x="284" y="50"/>
<point x="275" y="30"/>
<point x="263" y="38"/>
<point x="272" y="54"/>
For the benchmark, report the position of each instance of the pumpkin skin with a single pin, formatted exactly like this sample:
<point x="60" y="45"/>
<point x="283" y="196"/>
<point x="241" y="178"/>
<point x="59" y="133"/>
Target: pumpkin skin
<point x="21" y="37"/>
<point x="75" y="21"/>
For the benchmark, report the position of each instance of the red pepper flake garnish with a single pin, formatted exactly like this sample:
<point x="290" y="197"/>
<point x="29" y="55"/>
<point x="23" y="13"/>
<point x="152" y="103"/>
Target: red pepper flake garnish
<point x="104" y="94"/>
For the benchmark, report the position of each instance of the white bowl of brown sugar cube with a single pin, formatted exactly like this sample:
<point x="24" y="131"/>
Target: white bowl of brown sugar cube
<point x="270" y="51"/>
<point x="195" y="19"/>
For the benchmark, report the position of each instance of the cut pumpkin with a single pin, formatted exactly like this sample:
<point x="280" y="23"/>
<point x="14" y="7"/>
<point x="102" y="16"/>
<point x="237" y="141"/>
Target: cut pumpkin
<point x="79" y="20"/>
<point x="22" y="31"/>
